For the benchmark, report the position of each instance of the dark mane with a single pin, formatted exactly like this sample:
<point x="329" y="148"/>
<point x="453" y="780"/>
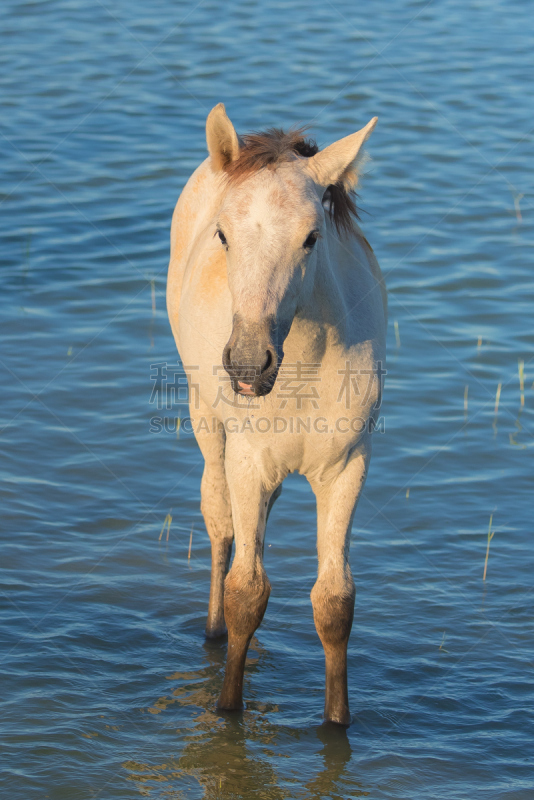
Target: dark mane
<point x="268" y="149"/>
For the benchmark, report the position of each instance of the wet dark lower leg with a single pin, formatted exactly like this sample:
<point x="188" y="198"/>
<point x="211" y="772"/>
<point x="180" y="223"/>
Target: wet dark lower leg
<point x="217" y="513"/>
<point x="333" y="620"/>
<point x="231" y="697"/>
<point x="245" y="601"/>
<point x="336" y="701"/>
<point x="221" y="550"/>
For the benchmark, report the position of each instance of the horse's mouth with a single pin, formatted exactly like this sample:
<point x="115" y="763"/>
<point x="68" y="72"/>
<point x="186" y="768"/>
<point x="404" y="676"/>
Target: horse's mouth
<point x="252" y="356"/>
<point x="245" y="389"/>
<point x="259" y="387"/>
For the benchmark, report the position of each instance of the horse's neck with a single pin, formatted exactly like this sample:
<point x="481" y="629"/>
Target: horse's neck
<point x="198" y="204"/>
<point x="343" y="281"/>
<point x="324" y="302"/>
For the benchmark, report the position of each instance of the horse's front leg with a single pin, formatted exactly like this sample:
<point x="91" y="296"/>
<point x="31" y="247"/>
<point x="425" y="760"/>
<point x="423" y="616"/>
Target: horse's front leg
<point x="247" y="587"/>
<point x="217" y="513"/>
<point x="334" y="592"/>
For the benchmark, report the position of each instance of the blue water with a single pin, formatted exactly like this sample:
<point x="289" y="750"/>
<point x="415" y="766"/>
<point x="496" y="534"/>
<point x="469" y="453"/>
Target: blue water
<point x="108" y="687"/>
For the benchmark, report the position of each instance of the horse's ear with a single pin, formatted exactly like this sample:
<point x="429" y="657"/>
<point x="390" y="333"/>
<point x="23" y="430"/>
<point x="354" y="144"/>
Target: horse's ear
<point x="223" y="144"/>
<point x="339" y="162"/>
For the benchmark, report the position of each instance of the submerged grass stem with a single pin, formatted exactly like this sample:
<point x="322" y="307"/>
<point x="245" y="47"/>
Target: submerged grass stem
<point x="490" y="537"/>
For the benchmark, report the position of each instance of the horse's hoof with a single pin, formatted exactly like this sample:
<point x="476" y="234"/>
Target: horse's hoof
<point x="341" y="718"/>
<point x="223" y="705"/>
<point x="216" y="632"/>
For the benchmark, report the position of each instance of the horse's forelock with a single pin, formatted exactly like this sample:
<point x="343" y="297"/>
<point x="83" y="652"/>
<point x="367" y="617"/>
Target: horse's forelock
<point x="261" y="149"/>
<point x="270" y="148"/>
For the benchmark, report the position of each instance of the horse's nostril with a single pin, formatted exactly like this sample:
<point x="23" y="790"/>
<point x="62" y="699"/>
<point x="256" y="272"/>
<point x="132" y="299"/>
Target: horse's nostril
<point x="268" y="361"/>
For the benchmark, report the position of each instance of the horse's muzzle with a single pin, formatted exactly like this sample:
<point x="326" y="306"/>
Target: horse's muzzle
<point x="251" y="358"/>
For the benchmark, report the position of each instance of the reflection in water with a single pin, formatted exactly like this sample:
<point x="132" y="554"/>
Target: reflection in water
<point x="336" y="755"/>
<point x="232" y="755"/>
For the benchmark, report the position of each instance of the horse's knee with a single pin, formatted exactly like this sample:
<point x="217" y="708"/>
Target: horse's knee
<point x="245" y="600"/>
<point x="333" y="608"/>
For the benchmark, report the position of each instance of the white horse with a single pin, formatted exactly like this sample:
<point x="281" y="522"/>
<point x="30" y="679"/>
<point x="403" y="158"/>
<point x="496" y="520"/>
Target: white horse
<point x="278" y="309"/>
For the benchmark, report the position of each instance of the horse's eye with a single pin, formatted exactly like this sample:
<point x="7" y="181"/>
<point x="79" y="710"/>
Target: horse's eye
<point x="310" y="241"/>
<point x="222" y="237"/>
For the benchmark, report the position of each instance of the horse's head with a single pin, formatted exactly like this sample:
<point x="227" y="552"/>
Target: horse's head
<point x="278" y="188"/>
